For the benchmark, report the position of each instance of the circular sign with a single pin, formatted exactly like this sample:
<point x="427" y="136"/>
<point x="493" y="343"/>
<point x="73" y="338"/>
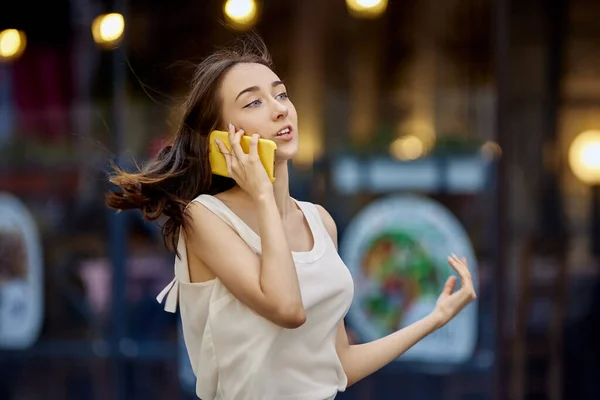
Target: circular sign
<point x="397" y="250"/>
<point x="21" y="277"/>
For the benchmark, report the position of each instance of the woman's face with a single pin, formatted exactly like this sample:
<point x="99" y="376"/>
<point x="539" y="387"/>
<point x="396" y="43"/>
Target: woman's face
<point x="255" y="100"/>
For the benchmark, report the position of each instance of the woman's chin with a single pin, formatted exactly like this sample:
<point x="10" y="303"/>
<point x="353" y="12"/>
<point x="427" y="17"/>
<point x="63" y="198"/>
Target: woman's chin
<point x="285" y="153"/>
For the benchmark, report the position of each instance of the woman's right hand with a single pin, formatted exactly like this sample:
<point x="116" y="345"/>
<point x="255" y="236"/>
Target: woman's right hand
<point x="246" y="169"/>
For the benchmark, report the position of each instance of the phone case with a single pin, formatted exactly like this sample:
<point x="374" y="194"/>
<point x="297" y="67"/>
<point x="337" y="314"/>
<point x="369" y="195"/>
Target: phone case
<point x="266" y="153"/>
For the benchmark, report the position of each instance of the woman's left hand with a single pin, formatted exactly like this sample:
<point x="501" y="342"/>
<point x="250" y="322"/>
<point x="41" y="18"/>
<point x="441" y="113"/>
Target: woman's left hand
<point x="449" y="304"/>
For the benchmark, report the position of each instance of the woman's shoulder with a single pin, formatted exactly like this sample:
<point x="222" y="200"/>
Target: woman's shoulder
<point x="223" y="199"/>
<point x="205" y="206"/>
<point x="232" y="198"/>
<point x="327" y="220"/>
<point x="229" y="208"/>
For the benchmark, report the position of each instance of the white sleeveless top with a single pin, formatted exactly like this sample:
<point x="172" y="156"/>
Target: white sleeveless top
<point x="238" y="355"/>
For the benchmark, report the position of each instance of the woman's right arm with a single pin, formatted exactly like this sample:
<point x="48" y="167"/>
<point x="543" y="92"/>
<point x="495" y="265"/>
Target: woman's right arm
<point x="268" y="284"/>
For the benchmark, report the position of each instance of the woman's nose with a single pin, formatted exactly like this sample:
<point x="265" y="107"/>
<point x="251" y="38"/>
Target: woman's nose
<point x="280" y="111"/>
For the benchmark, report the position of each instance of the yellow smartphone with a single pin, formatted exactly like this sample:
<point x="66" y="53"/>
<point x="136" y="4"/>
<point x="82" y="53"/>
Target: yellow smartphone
<point x="266" y="153"/>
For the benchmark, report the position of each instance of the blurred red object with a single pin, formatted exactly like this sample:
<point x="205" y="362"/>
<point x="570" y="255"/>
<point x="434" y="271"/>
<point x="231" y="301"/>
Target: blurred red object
<point x="156" y="145"/>
<point x="43" y="92"/>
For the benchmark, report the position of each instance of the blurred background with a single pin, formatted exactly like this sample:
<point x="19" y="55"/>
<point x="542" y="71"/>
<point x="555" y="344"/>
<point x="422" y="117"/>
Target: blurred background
<point x="427" y="127"/>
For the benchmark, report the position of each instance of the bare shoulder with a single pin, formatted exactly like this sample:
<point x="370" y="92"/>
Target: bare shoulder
<point x="204" y="222"/>
<point x="328" y="222"/>
<point x="198" y="212"/>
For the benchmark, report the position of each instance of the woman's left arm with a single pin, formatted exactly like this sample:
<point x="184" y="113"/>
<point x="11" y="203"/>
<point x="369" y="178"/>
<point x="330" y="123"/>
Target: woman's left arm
<point x="361" y="360"/>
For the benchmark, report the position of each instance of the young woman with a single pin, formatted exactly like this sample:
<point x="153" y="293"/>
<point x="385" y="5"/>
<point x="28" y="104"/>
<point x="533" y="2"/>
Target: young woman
<point x="261" y="289"/>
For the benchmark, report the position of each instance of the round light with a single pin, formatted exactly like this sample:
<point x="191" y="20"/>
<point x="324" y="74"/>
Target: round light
<point x="421" y="129"/>
<point x="408" y="148"/>
<point x="108" y="29"/>
<point x="368" y="9"/>
<point x="491" y="150"/>
<point x="368" y="3"/>
<point x="12" y="44"/>
<point x="241" y="14"/>
<point x="584" y="157"/>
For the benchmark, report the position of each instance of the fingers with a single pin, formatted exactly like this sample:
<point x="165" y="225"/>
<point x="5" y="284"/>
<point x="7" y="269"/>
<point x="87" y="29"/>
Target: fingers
<point x="455" y="263"/>
<point x="460" y="266"/>
<point x="254" y="145"/>
<point x="226" y="154"/>
<point x="450" y="285"/>
<point x="234" y="139"/>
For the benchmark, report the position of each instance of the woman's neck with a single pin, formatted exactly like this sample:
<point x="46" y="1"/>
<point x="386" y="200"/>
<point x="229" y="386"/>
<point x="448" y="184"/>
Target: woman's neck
<point x="281" y="189"/>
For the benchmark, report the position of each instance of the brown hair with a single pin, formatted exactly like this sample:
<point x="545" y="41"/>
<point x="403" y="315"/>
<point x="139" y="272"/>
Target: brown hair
<point x="181" y="171"/>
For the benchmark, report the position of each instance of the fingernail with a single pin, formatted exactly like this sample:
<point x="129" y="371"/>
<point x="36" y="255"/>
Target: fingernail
<point x="230" y="125"/>
<point x="217" y="141"/>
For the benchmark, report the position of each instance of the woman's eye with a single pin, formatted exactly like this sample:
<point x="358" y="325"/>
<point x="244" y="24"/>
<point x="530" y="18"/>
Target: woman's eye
<point x="255" y="103"/>
<point x="282" y="96"/>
